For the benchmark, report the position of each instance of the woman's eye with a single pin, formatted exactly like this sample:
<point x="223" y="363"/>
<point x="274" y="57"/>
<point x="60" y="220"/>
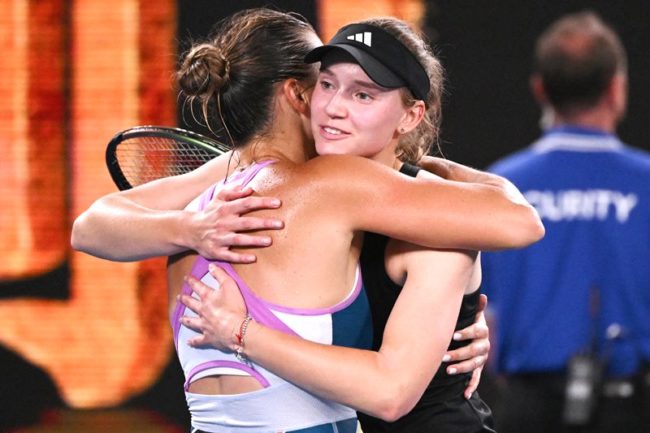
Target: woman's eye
<point x="364" y="96"/>
<point x="326" y="85"/>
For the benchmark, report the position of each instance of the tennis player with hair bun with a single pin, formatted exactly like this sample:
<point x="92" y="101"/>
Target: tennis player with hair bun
<point x="418" y="291"/>
<point x="308" y="283"/>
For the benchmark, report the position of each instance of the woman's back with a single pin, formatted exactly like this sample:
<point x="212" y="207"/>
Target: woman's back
<point x="312" y="264"/>
<point x="313" y="260"/>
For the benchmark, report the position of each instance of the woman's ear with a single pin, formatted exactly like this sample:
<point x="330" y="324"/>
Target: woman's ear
<point x="296" y="95"/>
<point x="412" y="117"/>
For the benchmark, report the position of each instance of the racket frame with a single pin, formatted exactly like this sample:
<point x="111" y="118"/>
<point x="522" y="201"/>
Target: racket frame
<point x="199" y="141"/>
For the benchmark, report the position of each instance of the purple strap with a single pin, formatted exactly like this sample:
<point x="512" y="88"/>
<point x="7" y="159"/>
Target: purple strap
<point x="225" y="364"/>
<point x="242" y="177"/>
<point x="257" y="309"/>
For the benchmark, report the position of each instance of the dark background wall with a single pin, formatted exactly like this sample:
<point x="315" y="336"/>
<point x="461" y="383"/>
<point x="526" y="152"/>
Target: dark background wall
<point x="486" y="49"/>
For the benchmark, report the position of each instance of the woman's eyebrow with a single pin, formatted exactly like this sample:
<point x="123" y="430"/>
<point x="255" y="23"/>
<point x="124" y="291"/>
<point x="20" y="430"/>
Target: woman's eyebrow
<point x="360" y="82"/>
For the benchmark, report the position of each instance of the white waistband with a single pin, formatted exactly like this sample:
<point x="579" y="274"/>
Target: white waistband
<point x="280" y="407"/>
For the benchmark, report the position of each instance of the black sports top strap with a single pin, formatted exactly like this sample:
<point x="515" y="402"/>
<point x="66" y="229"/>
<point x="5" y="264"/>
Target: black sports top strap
<point x="409" y="169"/>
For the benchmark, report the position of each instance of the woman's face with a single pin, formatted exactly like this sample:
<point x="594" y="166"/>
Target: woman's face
<point x="350" y="114"/>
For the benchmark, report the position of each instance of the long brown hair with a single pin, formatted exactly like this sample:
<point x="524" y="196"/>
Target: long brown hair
<point x="233" y="74"/>
<point x="417" y="143"/>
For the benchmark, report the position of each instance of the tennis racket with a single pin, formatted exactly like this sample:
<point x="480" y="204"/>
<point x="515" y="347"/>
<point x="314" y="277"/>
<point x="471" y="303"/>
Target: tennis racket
<point x="144" y="153"/>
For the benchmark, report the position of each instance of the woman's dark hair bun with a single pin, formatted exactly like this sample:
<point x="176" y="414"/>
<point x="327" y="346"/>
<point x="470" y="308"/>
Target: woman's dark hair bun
<point x="204" y="71"/>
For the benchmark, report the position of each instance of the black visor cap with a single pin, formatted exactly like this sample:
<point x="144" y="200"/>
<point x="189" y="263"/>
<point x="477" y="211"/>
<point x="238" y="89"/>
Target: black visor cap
<point x="386" y="60"/>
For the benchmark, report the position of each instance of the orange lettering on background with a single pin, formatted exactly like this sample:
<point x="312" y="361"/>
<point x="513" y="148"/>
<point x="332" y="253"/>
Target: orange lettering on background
<point x="111" y="339"/>
<point x="32" y="139"/>
<point x="336" y="13"/>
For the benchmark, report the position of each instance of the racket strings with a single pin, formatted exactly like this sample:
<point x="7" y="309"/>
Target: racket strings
<point x="143" y="159"/>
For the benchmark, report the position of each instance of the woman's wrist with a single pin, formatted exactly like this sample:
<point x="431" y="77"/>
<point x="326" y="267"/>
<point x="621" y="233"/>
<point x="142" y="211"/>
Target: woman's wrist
<point x="185" y="230"/>
<point x="239" y="338"/>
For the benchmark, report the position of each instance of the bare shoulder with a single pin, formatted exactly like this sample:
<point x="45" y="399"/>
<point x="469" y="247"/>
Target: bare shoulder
<point x="324" y="188"/>
<point x="315" y="174"/>
<point x="352" y="174"/>
<point x="343" y="165"/>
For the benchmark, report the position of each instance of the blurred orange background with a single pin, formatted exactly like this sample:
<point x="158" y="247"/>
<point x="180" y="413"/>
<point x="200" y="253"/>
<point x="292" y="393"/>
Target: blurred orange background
<point x="75" y="73"/>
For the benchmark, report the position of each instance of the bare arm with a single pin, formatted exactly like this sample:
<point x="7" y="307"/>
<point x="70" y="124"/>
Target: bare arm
<point x="451" y="170"/>
<point x="385" y="384"/>
<point x="150" y="220"/>
<point x="436" y="213"/>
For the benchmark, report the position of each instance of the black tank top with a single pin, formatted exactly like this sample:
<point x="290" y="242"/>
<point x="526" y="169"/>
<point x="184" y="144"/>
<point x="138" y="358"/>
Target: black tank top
<point x="382" y="293"/>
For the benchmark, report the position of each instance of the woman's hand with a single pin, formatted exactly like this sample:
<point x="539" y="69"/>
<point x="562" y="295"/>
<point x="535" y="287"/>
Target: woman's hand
<point x="219" y="225"/>
<point x="473" y="356"/>
<point x="220" y="311"/>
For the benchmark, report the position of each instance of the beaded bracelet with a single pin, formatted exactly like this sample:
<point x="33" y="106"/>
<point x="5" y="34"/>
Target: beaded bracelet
<point x="239" y="353"/>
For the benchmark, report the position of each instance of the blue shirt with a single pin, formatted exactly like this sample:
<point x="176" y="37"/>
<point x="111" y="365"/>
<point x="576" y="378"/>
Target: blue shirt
<point x="592" y="269"/>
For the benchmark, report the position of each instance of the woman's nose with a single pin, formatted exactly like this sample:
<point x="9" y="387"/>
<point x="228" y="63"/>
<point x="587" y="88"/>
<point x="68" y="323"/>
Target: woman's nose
<point x="335" y="106"/>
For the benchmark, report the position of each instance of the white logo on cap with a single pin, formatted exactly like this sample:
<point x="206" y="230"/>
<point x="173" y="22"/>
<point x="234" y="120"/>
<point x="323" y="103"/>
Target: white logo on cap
<point x="365" y="38"/>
